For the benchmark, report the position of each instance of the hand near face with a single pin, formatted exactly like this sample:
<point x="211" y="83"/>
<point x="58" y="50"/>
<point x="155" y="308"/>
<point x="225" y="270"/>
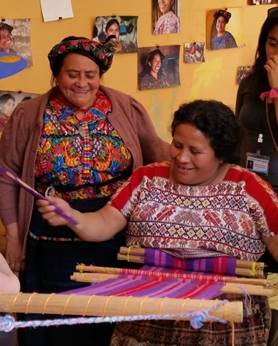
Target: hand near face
<point x="271" y="67"/>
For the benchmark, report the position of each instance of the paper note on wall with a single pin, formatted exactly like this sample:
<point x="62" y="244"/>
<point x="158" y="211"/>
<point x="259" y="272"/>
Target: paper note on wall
<point x="56" y="10"/>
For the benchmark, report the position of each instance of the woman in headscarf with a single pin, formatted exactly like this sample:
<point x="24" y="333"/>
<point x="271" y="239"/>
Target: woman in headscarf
<point x="223" y="38"/>
<point x="79" y="141"/>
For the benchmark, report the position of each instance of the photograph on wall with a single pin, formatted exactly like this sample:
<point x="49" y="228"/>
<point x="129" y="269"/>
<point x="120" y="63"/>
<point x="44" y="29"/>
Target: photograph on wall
<point x="15" y="46"/>
<point x="224" y="28"/>
<point x="193" y="52"/>
<point x="242" y="72"/>
<point x="8" y="101"/>
<point x="158" y="67"/>
<point x="165" y="17"/>
<point x="123" y="27"/>
<point x="261" y="2"/>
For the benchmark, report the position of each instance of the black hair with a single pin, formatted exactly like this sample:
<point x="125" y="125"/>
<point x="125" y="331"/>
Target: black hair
<point x="152" y="54"/>
<point x="4" y="98"/>
<point x="217" y="123"/>
<point x="6" y="26"/>
<point x="222" y="13"/>
<point x="258" y="69"/>
<point x="111" y="22"/>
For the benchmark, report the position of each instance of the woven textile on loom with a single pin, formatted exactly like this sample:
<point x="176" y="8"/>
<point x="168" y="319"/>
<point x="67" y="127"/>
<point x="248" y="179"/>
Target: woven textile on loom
<point x="223" y="265"/>
<point x="140" y="286"/>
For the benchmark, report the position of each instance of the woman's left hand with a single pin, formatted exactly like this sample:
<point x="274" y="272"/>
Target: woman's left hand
<point x="271" y="67"/>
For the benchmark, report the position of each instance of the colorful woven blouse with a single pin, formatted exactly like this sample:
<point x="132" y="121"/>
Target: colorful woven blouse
<point x="80" y="154"/>
<point x="229" y="217"/>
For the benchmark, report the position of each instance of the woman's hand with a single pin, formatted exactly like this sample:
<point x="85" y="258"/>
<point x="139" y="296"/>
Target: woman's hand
<point x="14" y="252"/>
<point x="271" y="67"/>
<point x="47" y="209"/>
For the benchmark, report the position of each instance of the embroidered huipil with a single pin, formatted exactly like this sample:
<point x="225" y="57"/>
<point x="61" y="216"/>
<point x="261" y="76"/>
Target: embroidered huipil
<point x="79" y="151"/>
<point x="228" y="218"/>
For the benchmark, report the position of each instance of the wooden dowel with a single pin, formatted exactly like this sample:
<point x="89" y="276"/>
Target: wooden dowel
<point x="238" y="271"/>
<point x="239" y="263"/>
<point x="91" y="277"/>
<point x="114" y="306"/>
<point x="130" y="258"/>
<point x="196" y="276"/>
<point x="252" y="290"/>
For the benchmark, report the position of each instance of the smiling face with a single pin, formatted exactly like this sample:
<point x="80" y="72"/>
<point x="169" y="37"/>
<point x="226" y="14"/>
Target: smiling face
<point x="271" y="45"/>
<point x="193" y="160"/>
<point x="165" y="5"/>
<point x="155" y="65"/>
<point x="220" y="25"/>
<point x="78" y="80"/>
<point x="6" y="40"/>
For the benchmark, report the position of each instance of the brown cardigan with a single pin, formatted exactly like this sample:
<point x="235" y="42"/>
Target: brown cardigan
<point x="21" y="136"/>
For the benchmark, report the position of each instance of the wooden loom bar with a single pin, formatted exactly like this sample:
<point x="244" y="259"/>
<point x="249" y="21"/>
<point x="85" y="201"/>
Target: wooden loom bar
<point x="239" y="271"/>
<point x="114" y="306"/>
<point x="137" y="251"/>
<point x="197" y="276"/>
<point x="234" y="288"/>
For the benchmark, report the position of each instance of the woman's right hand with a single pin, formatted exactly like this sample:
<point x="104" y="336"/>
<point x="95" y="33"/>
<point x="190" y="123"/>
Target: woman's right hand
<point x="271" y="67"/>
<point x="48" y="210"/>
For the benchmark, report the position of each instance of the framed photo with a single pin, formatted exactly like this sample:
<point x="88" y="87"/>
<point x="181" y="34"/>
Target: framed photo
<point x="242" y="72"/>
<point x="158" y="67"/>
<point x="224" y="28"/>
<point x="8" y="101"/>
<point x="165" y="17"/>
<point x="194" y="52"/>
<point x="15" y="46"/>
<point x="123" y="27"/>
<point x="261" y="2"/>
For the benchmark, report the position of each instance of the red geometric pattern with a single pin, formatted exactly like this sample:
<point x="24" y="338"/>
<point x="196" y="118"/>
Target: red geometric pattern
<point x="223" y="217"/>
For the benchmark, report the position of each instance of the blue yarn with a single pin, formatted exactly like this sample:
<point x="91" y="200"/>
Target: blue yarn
<point x="197" y="319"/>
<point x="7" y="323"/>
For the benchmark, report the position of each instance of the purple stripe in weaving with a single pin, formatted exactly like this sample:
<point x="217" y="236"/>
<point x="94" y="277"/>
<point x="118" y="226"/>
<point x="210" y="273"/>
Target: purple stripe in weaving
<point x="224" y="265"/>
<point x="171" y="288"/>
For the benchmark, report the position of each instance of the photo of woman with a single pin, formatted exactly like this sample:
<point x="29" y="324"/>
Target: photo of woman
<point x="15" y="50"/>
<point x="158" y="67"/>
<point x="165" y="19"/>
<point x="222" y="38"/>
<point x="124" y="28"/>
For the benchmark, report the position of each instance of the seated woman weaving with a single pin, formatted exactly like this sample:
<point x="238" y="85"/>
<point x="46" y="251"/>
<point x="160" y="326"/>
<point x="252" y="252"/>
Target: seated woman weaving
<point x="201" y="202"/>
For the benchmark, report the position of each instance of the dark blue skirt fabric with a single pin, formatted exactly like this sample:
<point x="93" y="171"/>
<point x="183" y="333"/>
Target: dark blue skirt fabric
<point x="49" y="265"/>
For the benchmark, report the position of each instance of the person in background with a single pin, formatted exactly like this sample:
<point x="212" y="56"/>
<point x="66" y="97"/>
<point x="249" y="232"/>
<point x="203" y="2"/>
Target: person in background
<point x="7" y="105"/>
<point x="260" y="117"/>
<point x="79" y="141"/>
<point x="10" y="61"/>
<point x="168" y="22"/>
<point x="222" y="39"/>
<point x="113" y="28"/>
<point x="172" y="206"/>
<point x="153" y="76"/>
<point x="6" y="38"/>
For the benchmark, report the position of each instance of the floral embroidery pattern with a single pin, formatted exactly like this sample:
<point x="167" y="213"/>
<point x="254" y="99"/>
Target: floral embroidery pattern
<point x="80" y="148"/>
